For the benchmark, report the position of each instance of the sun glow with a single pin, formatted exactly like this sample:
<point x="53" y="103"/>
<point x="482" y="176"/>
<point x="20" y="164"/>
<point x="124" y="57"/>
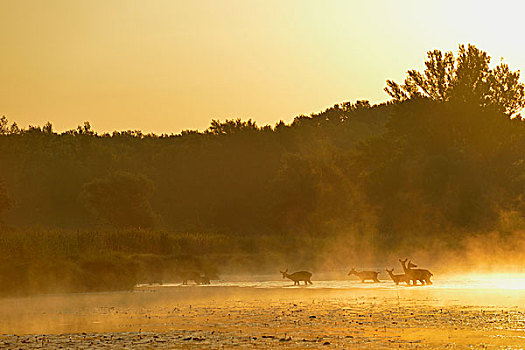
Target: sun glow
<point x="486" y="281"/>
<point x="167" y="66"/>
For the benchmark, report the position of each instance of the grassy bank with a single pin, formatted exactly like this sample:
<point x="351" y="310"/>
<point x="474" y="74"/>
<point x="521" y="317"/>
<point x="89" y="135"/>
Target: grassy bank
<point x="49" y="261"/>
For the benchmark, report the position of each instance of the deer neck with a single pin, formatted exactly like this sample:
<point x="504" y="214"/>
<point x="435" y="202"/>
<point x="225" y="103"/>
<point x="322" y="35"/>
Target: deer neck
<point x="405" y="268"/>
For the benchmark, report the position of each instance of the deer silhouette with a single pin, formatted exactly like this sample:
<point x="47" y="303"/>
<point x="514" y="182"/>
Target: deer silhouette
<point x="421" y="275"/>
<point x="298" y="276"/>
<point x="364" y="275"/>
<point x="398" y="278"/>
<point x="196" y="277"/>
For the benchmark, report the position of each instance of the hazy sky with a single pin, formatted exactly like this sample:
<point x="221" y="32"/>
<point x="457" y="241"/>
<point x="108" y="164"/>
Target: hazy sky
<point x="166" y="66"/>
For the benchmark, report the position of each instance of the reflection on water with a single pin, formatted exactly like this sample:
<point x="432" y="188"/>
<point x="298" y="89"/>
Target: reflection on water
<point x="515" y="281"/>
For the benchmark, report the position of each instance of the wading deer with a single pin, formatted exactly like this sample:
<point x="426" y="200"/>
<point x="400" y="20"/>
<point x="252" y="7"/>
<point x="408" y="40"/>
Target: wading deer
<point x="298" y="276"/>
<point x="415" y="275"/>
<point x="398" y="278"/>
<point x="196" y="277"/>
<point x="203" y="279"/>
<point x="423" y="273"/>
<point x="365" y="275"/>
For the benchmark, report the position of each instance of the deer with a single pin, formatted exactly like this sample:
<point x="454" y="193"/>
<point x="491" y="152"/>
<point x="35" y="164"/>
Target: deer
<point x="425" y="274"/>
<point x="365" y="275"/>
<point x="204" y="279"/>
<point x="196" y="277"/>
<point x="415" y="275"/>
<point x="298" y="276"/>
<point x="398" y="278"/>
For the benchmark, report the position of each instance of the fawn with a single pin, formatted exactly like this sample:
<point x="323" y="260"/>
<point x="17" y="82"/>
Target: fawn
<point x="365" y="275"/>
<point x="398" y="278"/>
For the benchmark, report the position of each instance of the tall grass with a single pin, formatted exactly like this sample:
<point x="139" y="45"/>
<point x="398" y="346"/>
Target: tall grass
<point x="49" y="261"/>
<point x="37" y="260"/>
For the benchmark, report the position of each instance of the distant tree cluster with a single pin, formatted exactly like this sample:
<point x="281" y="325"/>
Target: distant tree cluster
<point x="467" y="79"/>
<point x="446" y="154"/>
<point x="121" y="199"/>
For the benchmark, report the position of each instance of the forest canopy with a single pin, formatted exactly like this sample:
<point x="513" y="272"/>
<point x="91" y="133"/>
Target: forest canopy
<point x="446" y="154"/>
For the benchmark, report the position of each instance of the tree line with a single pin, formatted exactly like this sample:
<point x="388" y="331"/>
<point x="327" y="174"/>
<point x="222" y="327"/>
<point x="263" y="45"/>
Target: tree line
<point x="445" y="156"/>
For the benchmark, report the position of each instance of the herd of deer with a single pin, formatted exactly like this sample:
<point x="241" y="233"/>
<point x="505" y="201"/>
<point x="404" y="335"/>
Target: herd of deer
<point x="410" y="277"/>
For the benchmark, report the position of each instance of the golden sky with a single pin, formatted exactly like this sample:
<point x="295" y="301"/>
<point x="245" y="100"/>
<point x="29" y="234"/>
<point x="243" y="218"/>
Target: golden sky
<point x="166" y="66"/>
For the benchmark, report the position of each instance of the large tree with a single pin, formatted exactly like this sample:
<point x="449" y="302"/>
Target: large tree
<point x="466" y="78"/>
<point x="121" y="199"/>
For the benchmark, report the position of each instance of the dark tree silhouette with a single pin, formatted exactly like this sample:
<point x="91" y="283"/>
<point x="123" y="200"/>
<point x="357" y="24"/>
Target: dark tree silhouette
<point x="4" y="129"/>
<point x="232" y="126"/>
<point x="5" y="202"/>
<point x="430" y="159"/>
<point x="121" y="199"/>
<point x="467" y="78"/>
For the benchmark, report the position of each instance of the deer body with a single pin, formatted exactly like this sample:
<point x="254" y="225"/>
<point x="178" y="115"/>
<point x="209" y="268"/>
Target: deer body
<point x="298" y="276"/>
<point x="421" y="275"/>
<point x="398" y="278"/>
<point x="203" y="279"/>
<point x="196" y="277"/>
<point x="365" y="275"/>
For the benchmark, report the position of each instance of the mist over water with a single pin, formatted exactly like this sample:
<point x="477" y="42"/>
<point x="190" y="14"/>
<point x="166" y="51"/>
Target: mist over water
<point x="129" y="311"/>
<point x="469" y="281"/>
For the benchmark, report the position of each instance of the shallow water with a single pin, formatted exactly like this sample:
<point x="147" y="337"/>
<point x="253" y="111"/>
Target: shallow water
<point x="344" y="315"/>
<point x="471" y="310"/>
<point x="504" y="281"/>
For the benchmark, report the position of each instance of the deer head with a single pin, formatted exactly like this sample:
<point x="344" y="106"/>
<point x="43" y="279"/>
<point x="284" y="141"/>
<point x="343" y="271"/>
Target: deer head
<point x="284" y="273"/>
<point x="411" y="265"/>
<point x="352" y="272"/>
